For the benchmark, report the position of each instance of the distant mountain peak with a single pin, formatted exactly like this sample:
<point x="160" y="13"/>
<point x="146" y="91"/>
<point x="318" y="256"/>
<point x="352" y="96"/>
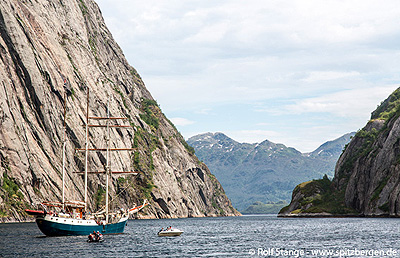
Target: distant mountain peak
<point x="332" y="148"/>
<point x="263" y="171"/>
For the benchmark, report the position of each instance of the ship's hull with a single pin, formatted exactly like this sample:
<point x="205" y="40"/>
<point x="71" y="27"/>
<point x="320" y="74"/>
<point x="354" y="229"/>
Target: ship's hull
<point x="56" y="226"/>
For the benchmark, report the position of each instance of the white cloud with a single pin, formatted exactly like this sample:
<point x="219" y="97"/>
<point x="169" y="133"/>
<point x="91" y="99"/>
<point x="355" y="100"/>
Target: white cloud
<point x="315" y="76"/>
<point x="179" y="121"/>
<point x="263" y="24"/>
<point x="204" y="111"/>
<point x="350" y="103"/>
<point x="338" y="58"/>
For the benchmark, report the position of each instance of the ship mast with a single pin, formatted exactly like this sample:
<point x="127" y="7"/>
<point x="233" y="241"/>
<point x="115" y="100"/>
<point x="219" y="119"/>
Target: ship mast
<point x="107" y="155"/>
<point x="107" y="171"/>
<point x="86" y="145"/>
<point x="63" y="152"/>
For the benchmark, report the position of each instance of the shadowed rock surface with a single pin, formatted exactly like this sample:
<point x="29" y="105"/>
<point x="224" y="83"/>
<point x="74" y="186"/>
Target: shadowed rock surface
<point x="367" y="175"/>
<point x="46" y="44"/>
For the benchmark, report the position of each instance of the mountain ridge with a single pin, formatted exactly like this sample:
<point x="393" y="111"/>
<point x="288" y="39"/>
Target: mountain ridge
<point x="264" y="171"/>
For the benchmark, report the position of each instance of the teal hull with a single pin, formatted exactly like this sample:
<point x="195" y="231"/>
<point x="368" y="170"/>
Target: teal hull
<point x="50" y="228"/>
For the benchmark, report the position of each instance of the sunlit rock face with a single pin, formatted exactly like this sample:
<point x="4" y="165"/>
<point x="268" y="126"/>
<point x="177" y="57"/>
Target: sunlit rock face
<point x="367" y="175"/>
<point x="53" y="51"/>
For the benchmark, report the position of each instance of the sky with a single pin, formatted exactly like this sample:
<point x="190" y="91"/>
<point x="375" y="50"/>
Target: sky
<point x="298" y="73"/>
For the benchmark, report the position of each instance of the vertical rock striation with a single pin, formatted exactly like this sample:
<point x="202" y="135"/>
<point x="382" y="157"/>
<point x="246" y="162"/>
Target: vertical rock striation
<point x="50" y="48"/>
<point x="369" y="170"/>
<point x="367" y="175"/>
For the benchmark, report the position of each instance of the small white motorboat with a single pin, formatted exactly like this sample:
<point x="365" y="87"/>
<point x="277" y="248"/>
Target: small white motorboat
<point x="170" y="232"/>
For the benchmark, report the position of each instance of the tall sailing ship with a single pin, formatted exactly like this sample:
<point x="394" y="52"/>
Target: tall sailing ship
<point x="68" y="218"/>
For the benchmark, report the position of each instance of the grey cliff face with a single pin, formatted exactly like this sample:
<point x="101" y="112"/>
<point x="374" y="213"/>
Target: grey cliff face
<point x="371" y="183"/>
<point x="367" y="175"/>
<point x="46" y="44"/>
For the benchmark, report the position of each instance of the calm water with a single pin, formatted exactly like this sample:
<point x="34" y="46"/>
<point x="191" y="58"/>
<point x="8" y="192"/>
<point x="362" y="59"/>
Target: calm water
<point x="247" y="236"/>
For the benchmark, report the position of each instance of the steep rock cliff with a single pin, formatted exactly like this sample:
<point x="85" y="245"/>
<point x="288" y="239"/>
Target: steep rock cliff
<point x="367" y="175"/>
<point x="49" y="48"/>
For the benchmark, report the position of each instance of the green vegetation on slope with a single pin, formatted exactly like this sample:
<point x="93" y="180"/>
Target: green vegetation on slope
<point x="10" y="191"/>
<point x="150" y="109"/>
<point x="11" y="195"/>
<point x="151" y="116"/>
<point x="387" y="111"/>
<point x="319" y="196"/>
<point x="368" y="138"/>
<point x="389" y="107"/>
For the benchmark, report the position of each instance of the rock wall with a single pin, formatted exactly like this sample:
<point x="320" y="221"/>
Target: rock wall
<point x="55" y="50"/>
<point x="371" y="182"/>
<point x="367" y="175"/>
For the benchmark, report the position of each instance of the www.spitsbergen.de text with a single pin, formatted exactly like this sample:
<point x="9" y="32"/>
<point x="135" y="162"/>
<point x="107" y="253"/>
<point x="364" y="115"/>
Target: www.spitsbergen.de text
<point x="281" y="252"/>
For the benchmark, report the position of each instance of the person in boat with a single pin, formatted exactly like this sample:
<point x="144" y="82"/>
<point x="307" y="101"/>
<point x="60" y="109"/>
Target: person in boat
<point x="162" y="229"/>
<point x="92" y="236"/>
<point x="99" y="236"/>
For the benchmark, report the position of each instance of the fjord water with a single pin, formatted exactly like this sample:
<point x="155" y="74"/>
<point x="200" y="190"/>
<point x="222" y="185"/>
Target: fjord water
<point x="246" y="236"/>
